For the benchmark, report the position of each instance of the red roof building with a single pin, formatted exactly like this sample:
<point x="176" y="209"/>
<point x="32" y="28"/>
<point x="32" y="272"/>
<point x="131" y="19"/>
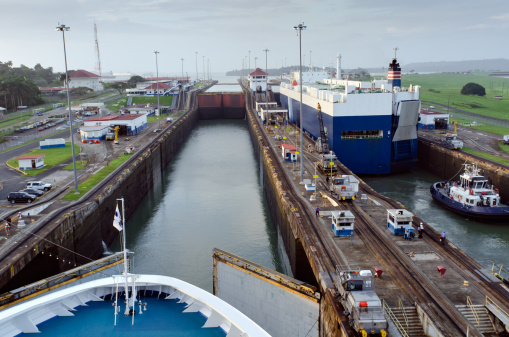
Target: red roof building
<point x="158" y="86"/>
<point x="82" y="74"/>
<point x="258" y="72"/>
<point x="30" y="162"/>
<point x="258" y="80"/>
<point x="35" y="156"/>
<point x="83" y="78"/>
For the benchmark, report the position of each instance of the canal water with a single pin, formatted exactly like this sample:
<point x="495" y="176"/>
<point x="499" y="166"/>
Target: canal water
<point x="485" y="242"/>
<point x="210" y="196"/>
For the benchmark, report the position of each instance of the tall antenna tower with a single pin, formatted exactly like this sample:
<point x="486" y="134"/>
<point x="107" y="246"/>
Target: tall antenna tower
<point x="98" y="63"/>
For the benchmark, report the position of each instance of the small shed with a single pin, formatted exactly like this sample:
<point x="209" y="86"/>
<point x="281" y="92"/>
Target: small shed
<point x="31" y="162"/>
<point x="342" y="223"/>
<point x="398" y="220"/>
<point x="289" y="152"/>
<point x="51" y="143"/>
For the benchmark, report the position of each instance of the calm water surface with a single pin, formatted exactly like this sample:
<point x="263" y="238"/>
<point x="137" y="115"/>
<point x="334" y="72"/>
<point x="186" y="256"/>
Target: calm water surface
<point x="486" y="243"/>
<point x="209" y="197"/>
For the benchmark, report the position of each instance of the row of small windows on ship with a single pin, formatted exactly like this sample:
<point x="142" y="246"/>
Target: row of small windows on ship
<point x="365" y="134"/>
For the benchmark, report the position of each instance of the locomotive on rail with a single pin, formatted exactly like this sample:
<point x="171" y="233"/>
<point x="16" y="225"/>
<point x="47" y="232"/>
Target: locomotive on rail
<point x="364" y="307"/>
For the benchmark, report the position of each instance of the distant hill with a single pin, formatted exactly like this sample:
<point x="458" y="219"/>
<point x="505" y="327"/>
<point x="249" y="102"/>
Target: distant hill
<point x="458" y="66"/>
<point x="426" y="67"/>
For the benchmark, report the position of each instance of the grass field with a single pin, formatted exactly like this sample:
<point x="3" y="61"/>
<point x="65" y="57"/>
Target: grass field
<point x="163" y="100"/>
<point x="440" y="87"/>
<point x="80" y="164"/>
<point x="487" y="156"/>
<point x="96" y="178"/>
<point x="52" y="157"/>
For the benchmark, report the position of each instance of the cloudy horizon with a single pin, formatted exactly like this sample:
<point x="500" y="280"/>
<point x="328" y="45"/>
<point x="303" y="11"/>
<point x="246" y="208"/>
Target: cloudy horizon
<point x="365" y="33"/>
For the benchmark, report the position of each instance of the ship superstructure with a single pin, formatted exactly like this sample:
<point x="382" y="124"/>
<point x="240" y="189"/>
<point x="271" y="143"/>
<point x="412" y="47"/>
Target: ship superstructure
<point x="371" y="126"/>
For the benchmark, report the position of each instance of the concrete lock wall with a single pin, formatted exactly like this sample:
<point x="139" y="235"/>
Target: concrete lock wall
<point x="448" y="165"/>
<point x="280" y="311"/>
<point x="84" y="229"/>
<point x="288" y="223"/>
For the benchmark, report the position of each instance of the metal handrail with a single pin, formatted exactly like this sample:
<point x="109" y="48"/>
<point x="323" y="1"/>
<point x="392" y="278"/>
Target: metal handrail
<point x="403" y="311"/>
<point x="499" y="309"/>
<point x="393" y="318"/>
<point x="471" y="305"/>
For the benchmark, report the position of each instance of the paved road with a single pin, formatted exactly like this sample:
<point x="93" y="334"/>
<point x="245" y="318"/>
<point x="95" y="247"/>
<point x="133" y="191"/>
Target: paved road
<point x="13" y="180"/>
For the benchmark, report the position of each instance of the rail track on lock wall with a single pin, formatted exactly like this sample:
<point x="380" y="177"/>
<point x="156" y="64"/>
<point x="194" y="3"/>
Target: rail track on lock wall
<point x="37" y="235"/>
<point x="406" y="276"/>
<point x="460" y="260"/>
<point x="409" y="279"/>
<point x="383" y="247"/>
<point x="434" y="141"/>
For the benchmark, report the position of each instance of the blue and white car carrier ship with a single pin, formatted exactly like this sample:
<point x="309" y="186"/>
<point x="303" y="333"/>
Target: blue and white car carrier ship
<point x="377" y="119"/>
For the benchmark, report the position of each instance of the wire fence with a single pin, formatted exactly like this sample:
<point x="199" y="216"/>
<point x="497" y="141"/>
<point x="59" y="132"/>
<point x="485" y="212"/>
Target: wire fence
<point x="470" y="117"/>
<point x="18" y="138"/>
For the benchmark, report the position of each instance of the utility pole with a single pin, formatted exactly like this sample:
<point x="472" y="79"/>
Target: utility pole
<point x="196" y="66"/>
<point x="62" y="28"/>
<point x="266" y="86"/>
<point x="299" y="29"/>
<point x="310" y="63"/>
<point x="157" y="90"/>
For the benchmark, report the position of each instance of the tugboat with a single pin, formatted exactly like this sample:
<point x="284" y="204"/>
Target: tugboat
<point x="472" y="196"/>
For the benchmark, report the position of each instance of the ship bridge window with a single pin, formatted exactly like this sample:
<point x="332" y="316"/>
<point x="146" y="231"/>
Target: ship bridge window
<point x="362" y="134"/>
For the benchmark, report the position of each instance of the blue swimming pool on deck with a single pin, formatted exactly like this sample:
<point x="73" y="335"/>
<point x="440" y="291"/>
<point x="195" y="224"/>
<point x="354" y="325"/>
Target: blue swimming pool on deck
<point x="162" y="318"/>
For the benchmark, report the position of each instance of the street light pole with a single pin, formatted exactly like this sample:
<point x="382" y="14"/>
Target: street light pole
<point x="204" y="77"/>
<point x="249" y="60"/>
<point x="196" y="66"/>
<point x="299" y="29"/>
<point x="62" y="28"/>
<point x="157" y="92"/>
<point x="266" y="86"/>
<point x="182" y="68"/>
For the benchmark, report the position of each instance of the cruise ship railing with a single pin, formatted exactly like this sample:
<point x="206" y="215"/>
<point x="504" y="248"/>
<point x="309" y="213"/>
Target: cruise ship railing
<point x="50" y="283"/>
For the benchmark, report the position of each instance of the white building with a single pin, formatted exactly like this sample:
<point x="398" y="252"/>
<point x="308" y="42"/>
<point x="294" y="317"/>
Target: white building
<point x="31" y="162"/>
<point x="258" y="80"/>
<point x="431" y="120"/>
<point x="83" y="78"/>
<point x="129" y="124"/>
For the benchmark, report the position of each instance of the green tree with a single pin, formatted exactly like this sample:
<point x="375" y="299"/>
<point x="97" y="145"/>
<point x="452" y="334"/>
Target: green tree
<point x="120" y="86"/>
<point x="134" y="80"/>
<point x="80" y="90"/>
<point x="473" y="89"/>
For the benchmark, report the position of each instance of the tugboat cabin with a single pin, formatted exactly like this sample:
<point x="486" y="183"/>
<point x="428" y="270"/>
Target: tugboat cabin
<point x="473" y="189"/>
<point x="342" y="223"/>
<point x="289" y="152"/>
<point x="397" y="220"/>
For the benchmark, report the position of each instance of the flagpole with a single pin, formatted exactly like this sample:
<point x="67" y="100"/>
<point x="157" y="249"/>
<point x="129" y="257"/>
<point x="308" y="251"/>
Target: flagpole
<point x="125" y="260"/>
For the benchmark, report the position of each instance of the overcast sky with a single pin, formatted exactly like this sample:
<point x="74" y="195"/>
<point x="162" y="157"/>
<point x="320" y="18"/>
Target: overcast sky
<point x="363" y="31"/>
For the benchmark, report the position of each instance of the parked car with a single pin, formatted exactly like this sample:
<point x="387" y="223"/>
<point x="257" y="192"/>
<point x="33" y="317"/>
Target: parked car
<point x="39" y="185"/>
<point x="33" y="191"/>
<point x="41" y="129"/>
<point x="14" y="197"/>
